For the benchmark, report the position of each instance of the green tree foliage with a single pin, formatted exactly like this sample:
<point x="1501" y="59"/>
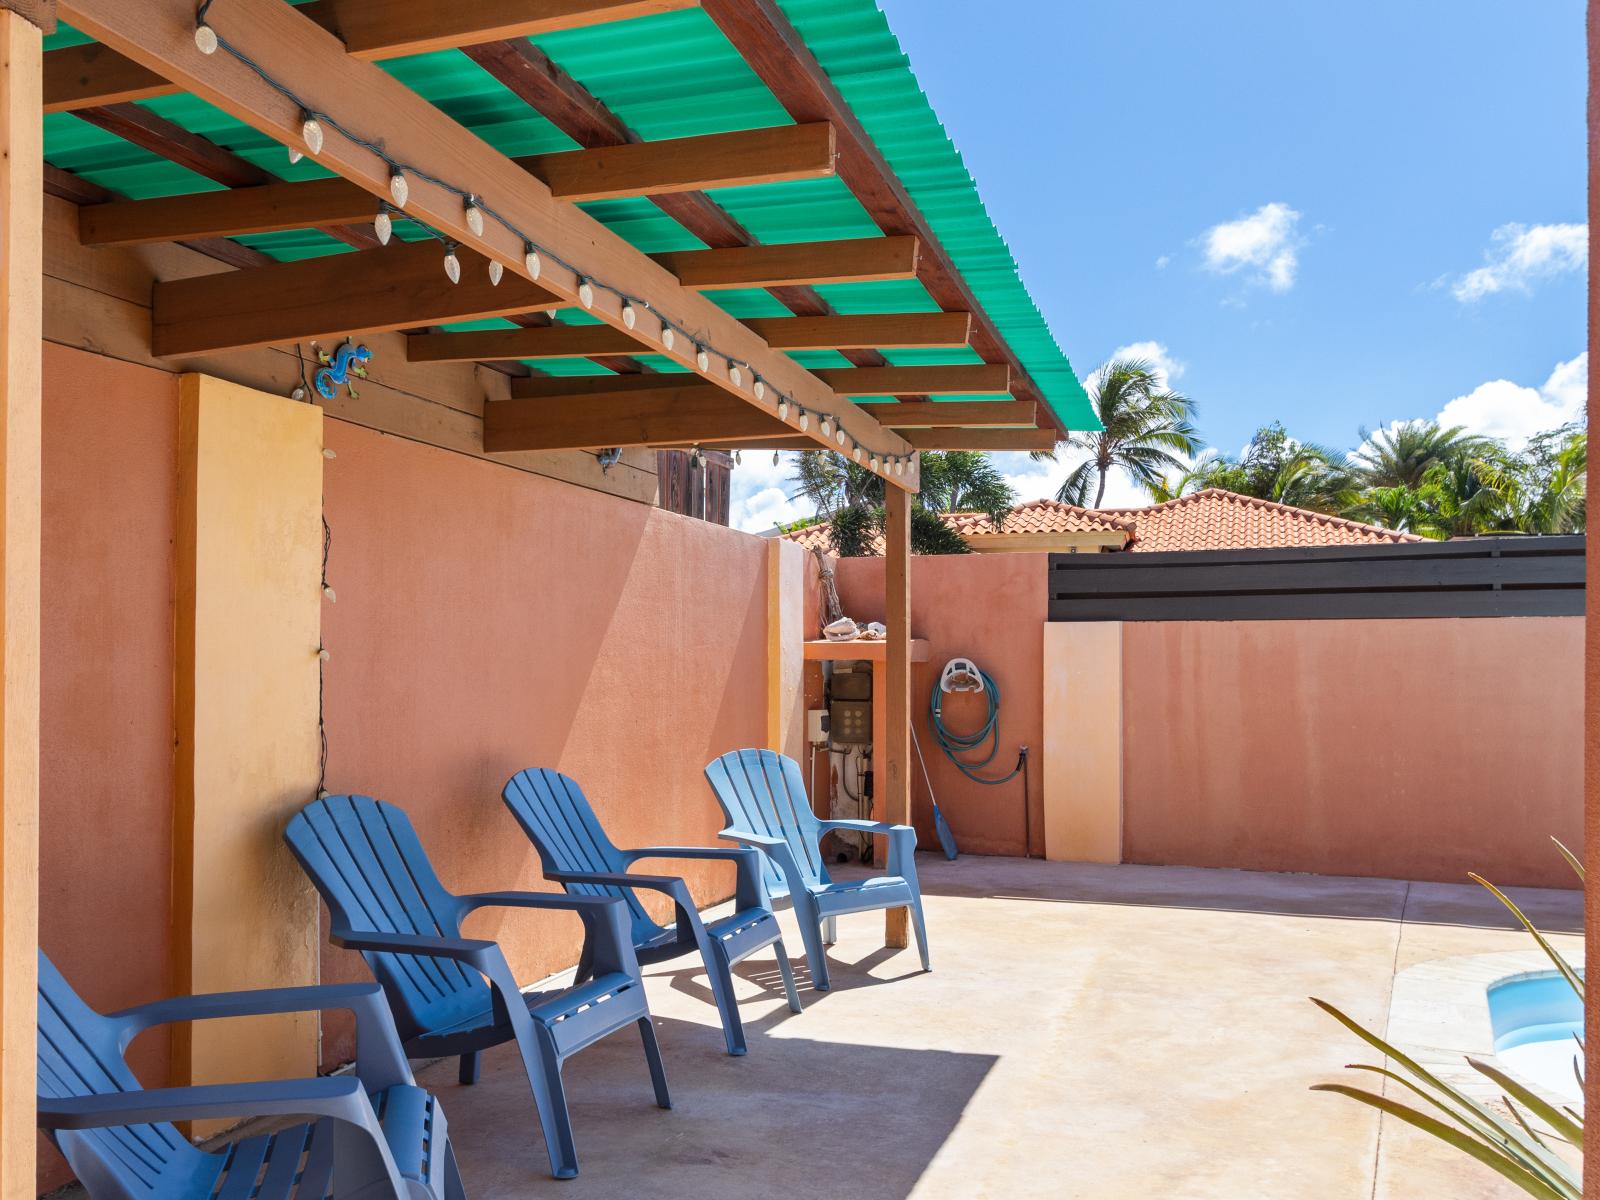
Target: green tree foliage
<point x="1148" y="433"/>
<point x="851" y="498"/>
<point x="1273" y="467"/>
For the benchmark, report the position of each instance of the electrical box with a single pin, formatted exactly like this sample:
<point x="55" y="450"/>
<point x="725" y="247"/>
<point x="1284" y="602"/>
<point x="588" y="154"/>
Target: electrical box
<point x="817" y="726"/>
<point x="850" y="722"/>
<point x="851" y="685"/>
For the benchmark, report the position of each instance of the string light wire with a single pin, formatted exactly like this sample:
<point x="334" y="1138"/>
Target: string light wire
<point x="209" y="41"/>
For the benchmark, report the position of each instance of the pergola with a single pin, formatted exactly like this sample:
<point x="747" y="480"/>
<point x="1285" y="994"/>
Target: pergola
<point x="522" y="289"/>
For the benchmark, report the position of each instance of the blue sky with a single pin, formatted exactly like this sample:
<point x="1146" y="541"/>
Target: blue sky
<point x="1335" y="216"/>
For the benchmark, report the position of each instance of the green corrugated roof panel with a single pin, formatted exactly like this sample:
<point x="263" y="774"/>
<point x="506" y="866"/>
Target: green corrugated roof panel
<point x="676" y="75"/>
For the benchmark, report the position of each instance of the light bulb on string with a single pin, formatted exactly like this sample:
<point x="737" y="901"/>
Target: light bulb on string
<point x="701" y="358"/>
<point x="452" y="264"/>
<point x="530" y="260"/>
<point x="399" y="190"/>
<point x="856" y="454"/>
<point x="474" y="216"/>
<point x="310" y="133"/>
<point x="735" y="376"/>
<point x="873" y="463"/>
<point x="669" y="337"/>
<point x="496" y="272"/>
<point x="738" y="458"/>
<point x="840" y="437"/>
<point x="759" y="387"/>
<point x="805" y="420"/>
<point x="586" y="294"/>
<point x="775" y="457"/>
<point x="294" y="155"/>
<point x="205" y="38"/>
<point x="630" y="315"/>
<point x="826" y="427"/>
<point x="327" y="590"/>
<point x="783" y="409"/>
<point x="383" y="224"/>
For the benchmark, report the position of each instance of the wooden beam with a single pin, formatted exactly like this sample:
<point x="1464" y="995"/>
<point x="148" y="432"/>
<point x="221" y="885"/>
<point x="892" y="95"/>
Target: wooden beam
<point x="85" y="76"/>
<point x="778" y="55"/>
<point x="541" y="386"/>
<point x="395" y="287"/>
<point x="854" y="260"/>
<point x="678" y="164"/>
<point x="686" y="413"/>
<point x="688" y="164"/>
<point x="956" y="414"/>
<point x="938" y="330"/>
<point x="876" y="331"/>
<point x="531" y="75"/>
<point x="375" y="29"/>
<point x="21" y="322"/>
<point x="920" y="439"/>
<point x="964" y="379"/>
<point x="304" y="59"/>
<point x="892" y="760"/>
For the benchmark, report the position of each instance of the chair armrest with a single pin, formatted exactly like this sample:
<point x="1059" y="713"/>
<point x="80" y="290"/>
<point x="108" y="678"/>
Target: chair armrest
<point x="902" y="843"/>
<point x="655" y="883"/>
<point x="380" y="1062"/>
<point x="782" y="857"/>
<point x="341" y="1097"/>
<point x="750" y="888"/>
<point x="475" y="952"/>
<point x="605" y="922"/>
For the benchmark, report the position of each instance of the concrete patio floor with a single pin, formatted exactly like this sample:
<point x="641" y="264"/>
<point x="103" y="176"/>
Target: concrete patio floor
<point x="1086" y="1032"/>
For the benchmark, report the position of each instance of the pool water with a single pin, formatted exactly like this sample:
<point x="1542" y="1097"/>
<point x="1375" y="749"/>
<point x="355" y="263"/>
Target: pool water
<point x="1536" y="1020"/>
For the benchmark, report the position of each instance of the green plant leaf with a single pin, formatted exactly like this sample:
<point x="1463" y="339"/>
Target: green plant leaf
<point x="1574" y="980"/>
<point x="1518" y="1174"/>
<point x="1572" y="860"/>
<point x="1552" y="1116"/>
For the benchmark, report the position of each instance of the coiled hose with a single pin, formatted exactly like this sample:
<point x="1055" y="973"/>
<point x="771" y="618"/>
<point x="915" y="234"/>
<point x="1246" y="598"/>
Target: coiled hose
<point x="955" y="744"/>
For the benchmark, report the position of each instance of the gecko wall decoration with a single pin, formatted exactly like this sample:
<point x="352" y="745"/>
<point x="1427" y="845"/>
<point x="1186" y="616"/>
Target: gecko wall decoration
<point x="347" y="362"/>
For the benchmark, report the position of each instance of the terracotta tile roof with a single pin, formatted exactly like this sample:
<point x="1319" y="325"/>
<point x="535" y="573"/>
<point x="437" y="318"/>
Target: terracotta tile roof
<point x="1040" y="516"/>
<point x="1210" y="520"/>
<point x="1219" y="520"/>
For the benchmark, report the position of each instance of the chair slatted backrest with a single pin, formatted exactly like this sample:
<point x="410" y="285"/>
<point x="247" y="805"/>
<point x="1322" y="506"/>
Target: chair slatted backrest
<point x="80" y="1054"/>
<point x="763" y="792"/>
<point x="365" y="859"/>
<point x="560" y="821"/>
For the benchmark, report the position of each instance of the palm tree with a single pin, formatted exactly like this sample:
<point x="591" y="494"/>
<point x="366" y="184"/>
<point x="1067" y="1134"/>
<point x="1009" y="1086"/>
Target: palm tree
<point x="1146" y="430"/>
<point x="851" y="498"/>
<point x="1275" y="467"/>
<point x="1401" y="455"/>
<point x="1545" y="487"/>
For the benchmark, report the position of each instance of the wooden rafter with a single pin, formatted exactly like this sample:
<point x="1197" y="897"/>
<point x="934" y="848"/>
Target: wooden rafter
<point x="919" y="439"/>
<point x="777" y="54"/>
<point x="851" y="260"/>
<point x="781" y="333"/>
<point x="956" y="414"/>
<point x="394" y="287"/>
<point x="965" y="379"/>
<point x="304" y="58"/>
<point x="256" y="205"/>
<point x="688" y="412"/>
<point x="84" y="76"/>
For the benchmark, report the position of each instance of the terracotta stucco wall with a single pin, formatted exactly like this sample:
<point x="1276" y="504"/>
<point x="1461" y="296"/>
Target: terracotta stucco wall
<point x="990" y="608"/>
<point x="106" y="726"/>
<point x="489" y="620"/>
<point x="1412" y="749"/>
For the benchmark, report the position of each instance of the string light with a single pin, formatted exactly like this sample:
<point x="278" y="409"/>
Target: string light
<point x="314" y="126"/>
<point x="826" y="427"/>
<point x="856" y="454"/>
<point x="874" y="462"/>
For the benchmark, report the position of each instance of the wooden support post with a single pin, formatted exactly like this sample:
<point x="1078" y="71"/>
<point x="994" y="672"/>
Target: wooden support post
<point x="21" y="319"/>
<point x="893" y="757"/>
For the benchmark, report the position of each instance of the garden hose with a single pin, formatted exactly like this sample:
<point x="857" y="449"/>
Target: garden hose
<point x="955" y="744"/>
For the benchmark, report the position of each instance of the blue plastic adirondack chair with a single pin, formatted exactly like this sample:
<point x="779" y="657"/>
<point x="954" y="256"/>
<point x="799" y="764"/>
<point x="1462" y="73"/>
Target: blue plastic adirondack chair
<point x="764" y="800"/>
<point x="375" y="1133"/>
<point x="575" y="851"/>
<point x="456" y="996"/>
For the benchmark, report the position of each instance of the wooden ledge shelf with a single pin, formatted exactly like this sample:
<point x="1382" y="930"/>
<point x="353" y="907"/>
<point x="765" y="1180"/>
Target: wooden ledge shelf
<point x="861" y="650"/>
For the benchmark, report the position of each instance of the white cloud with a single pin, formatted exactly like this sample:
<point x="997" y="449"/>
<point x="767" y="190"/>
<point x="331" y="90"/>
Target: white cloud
<point x="762" y="493"/>
<point x="1163" y="261"/>
<point x="1521" y="255"/>
<point x="1514" y="412"/>
<point x="1265" y="245"/>
<point x="1156" y="354"/>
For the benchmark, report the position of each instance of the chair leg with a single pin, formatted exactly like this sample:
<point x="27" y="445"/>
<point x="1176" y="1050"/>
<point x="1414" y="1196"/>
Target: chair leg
<point x="652" y="1055"/>
<point x="811" y="935"/>
<point x="454" y="1189"/>
<point x="830" y="930"/>
<point x="721" y="980"/>
<point x="468" y="1072"/>
<point x="787" y="972"/>
<point x="550" y="1098"/>
<point x="921" y="931"/>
